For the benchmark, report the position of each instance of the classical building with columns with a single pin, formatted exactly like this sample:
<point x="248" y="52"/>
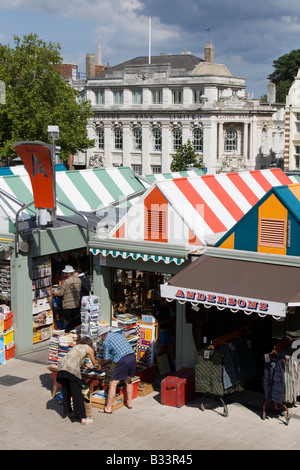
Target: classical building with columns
<point x="145" y="108"/>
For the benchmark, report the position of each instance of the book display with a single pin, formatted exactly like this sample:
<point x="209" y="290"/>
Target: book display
<point x="42" y="300"/>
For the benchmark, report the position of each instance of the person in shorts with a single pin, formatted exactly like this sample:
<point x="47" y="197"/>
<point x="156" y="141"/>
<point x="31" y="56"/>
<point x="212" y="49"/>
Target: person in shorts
<point x="117" y="349"/>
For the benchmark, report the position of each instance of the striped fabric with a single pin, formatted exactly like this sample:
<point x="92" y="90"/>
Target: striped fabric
<point x="219" y="201"/>
<point x="172" y="175"/>
<point x="83" y="190"/>
<point x="206" y="205"/>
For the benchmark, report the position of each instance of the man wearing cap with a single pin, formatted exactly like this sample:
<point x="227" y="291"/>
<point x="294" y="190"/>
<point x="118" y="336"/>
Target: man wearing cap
<point x="117" y="349"/>
<point x="70" y="293"/>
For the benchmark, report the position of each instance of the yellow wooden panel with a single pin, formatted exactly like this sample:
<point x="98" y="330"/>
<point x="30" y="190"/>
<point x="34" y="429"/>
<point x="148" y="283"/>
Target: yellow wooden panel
<point x="229" y="242"/>
<point x="295" y="188"/>
<point x="272" y="208"/>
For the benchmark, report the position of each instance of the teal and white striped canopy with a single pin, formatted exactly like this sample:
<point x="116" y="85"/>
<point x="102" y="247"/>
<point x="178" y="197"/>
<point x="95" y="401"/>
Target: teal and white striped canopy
<point x="83" y="190"/>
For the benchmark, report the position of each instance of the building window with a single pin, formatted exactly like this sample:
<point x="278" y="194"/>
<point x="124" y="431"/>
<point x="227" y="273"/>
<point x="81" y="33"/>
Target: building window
<point x="297" y="123"/>
<point x="137" y="169"/>
<point x="198" y="93"/>
<point x="156" y="169"/>
<point x="198" y="140"/>
<point x="118" y="97"/>
<point x="137" y="138"/>
<point x="297" y="157"/>
<point x="176" y="138"/>
<point x="100" y="138"/>
<point x="137" y="97"/>
<point x="177" y="96"/>
<point x="156" y="97"/>
<point x="118" y="135"/>
<point x="231" y="140"/>
<point x="156" y="139"/>
<point x="272" y="232"/>
<point x="99" y="97"/>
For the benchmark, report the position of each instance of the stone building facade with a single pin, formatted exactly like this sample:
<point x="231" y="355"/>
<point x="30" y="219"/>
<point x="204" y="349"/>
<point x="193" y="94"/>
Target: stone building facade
<point x="143" y="109"/>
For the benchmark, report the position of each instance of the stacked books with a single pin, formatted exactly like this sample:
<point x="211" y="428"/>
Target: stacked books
<point x="53" y="348"/>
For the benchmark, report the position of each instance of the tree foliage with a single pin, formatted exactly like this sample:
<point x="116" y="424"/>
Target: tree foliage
<point x="186" y="157"/>
<point x="36" y="96"/>
<point x="285" y="70"/>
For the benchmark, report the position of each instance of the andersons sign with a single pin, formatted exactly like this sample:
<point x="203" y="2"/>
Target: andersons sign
<point x="233" y="302"/>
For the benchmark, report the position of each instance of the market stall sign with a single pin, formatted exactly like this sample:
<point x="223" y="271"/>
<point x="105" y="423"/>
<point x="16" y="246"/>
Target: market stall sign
<point x="248" y="305"/>
<point x="37" y="159"/>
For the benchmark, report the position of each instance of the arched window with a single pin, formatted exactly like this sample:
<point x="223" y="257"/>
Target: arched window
<point x="137" y="138"/>
<point x="100" y="138"/>
<point x="118" y="135"/>
<point x="231" y="140"/>
<point x="156" y="139"/>
<point x="198" y="139"/>
<point x="177" y="138"/>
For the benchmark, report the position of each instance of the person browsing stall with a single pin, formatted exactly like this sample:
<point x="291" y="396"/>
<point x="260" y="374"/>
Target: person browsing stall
<point x="117" y="349"/>
<point x="69" y="376"/>
<point x="70" y="293"/>
<point x="85" y="282"/>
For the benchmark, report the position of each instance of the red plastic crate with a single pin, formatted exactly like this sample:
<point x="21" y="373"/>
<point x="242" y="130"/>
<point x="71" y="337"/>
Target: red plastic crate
<point x="122" y="389"/>
<point x="8" y="321"/>
<point x="178" y="389"/>
<point x="10" y="352"/>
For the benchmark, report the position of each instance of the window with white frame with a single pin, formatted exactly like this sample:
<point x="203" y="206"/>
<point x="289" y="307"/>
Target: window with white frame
<point x="156" y="96"/>
<point x="99" y="97"/>
<point x="176" y="138"/>
<point x="198" y="93"/>
<point x="156" y="139"/>
<point x="156" y="169"/>
<point x="198" y="139"/>
<point x="231" y="140"/>
<point x="297" y="123"/>
<point x="177" y="96"/>
<point x="100" y="138"/>
<point x="137" y="169"/>
<point x="118" y="138"/>
<point x="137" y="97"/>
<point x="137" y="138"/>
<point x="118" y="97"/>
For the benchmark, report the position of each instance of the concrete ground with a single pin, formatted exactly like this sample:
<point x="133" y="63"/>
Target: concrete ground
<point x="31" y="419"/>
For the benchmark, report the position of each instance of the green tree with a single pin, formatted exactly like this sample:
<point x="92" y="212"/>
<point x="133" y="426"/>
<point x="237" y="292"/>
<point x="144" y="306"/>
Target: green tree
<point x="37" y="96"/>
<point x="286" y="68"/>
<point x="185" y="157"/>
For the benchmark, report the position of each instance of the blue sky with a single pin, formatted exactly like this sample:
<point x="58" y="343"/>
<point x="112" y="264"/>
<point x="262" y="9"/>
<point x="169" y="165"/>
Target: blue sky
<point x="248" y="35"/>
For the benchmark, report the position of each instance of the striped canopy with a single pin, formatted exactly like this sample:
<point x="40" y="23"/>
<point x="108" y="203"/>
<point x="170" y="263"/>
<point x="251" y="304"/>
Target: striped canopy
<point x="207" y="205"/>
<point x="83" y="190"/>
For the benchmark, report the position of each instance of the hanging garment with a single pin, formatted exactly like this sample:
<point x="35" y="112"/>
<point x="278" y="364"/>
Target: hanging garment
<point x="229" y="365"/>
<point x="209" y="372"/>
<point x="291" y="379"/>
<point x="274" y="381"/>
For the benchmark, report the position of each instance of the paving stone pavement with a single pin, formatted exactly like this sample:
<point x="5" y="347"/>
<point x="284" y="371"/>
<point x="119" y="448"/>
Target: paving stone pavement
<point x="31" y="419"/>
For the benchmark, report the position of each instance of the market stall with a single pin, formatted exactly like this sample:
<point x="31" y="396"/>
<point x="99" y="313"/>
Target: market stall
<point x="246" y="309"/>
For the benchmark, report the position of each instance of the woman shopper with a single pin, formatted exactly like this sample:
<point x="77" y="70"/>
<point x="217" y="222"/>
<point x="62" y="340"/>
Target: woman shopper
<point x="69" y="376"/>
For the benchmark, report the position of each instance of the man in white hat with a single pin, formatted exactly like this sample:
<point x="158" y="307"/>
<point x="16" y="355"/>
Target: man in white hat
<point x="117" y="349"/>
<point x="70" y="293"/>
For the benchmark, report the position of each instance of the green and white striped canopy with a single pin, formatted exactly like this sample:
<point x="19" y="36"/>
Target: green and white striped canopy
<point x="83" y="190"/>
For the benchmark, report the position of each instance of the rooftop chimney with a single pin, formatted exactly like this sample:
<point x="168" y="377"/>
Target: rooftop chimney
<point x="90" y="65"/>
<point x="209" y="53"/>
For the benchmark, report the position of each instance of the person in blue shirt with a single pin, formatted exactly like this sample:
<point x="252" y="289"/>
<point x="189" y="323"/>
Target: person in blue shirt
<point x="117" y="349"/>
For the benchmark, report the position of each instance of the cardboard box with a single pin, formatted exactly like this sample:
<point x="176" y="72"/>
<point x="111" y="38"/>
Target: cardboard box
<point x="99" y="401"/>
<point x="144" y="389"/>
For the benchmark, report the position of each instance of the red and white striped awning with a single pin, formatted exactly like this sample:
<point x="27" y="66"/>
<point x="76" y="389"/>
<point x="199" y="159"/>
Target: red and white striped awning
<point x="212" y="204"/>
